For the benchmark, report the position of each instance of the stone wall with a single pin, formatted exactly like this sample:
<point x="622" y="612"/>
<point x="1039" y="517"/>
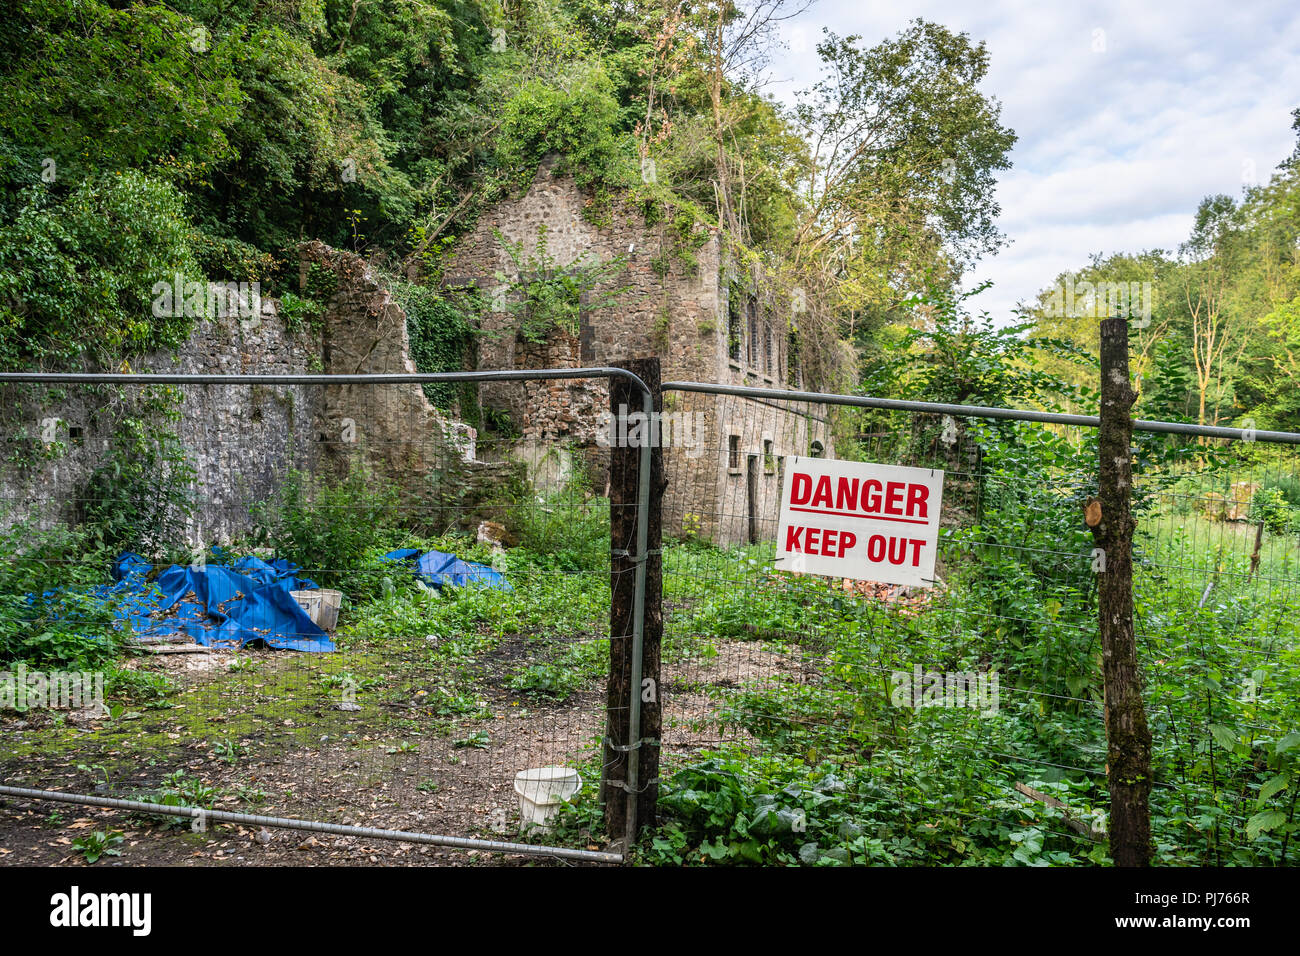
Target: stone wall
<point x="684" y="315"/>
<point x="239" y="439"/>
<point x="393" y="430"/>
<point x="663" y="307"/>
<point x="749" y="487"/>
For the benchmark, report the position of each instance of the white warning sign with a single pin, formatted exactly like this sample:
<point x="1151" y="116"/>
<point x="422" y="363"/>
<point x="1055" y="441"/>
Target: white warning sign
<point x="849" y="519"/>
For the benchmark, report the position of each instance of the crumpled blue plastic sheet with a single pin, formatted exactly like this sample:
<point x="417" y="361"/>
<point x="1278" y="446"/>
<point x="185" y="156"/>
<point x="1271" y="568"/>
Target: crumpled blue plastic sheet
<point x="217" y="605"/>
<point x="437" y="568"/>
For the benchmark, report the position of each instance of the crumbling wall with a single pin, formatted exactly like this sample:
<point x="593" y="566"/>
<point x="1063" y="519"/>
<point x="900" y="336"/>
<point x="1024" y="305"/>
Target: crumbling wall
<point x="393" y="430"/>
<point x="664" y="307"/>
<point x="240" y="439"/>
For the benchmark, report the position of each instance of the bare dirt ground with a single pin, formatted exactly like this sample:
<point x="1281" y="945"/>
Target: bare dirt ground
<point x="395" y="763"/>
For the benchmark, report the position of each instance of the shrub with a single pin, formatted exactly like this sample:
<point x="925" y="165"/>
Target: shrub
<point x="62" y="630"/>
<point x="46" y="617"/>
<point x="76" y="276"/>
<point x="141" y="495"/>
<point x="565" y="531"/>
<point x="329" y="528"/>
<point x="1270" y="506"/>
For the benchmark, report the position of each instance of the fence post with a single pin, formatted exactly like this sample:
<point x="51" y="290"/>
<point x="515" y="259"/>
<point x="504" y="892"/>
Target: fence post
<point x="1128" y="740"/>
<point x="630" y="789"/>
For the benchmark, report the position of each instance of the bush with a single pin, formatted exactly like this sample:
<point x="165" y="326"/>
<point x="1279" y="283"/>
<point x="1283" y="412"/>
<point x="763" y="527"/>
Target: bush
<point x="440" y="326"/>
<point x="76" y="276"/>
<point x="1270" y="506"/>
<point x="576" y="118"/>
<point x="141" y="496"/>
<point x="565" y="531"/>
<point x="47" y="618"/>
<point x="330" y="529"/>
<point x="61" y="630"/>
<point x="1288" y="486"/>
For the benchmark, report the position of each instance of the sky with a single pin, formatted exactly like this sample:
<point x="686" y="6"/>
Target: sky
<point x="1128" y="114"/>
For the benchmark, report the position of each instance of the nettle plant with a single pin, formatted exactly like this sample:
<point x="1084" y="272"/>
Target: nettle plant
<point x="545" y="295"/>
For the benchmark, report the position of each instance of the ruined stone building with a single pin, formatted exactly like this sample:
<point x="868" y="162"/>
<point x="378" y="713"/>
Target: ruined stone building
<point x="671" y="292"/>
<point x="664" y="289"/>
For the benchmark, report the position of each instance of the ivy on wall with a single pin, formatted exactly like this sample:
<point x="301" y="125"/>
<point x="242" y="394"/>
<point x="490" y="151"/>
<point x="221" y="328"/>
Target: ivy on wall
<point x="441" y="325"/>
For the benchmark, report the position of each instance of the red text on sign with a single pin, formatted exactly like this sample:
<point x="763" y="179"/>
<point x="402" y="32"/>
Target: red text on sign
<point x="834" y="544"/>
<point x="903" y="499"/>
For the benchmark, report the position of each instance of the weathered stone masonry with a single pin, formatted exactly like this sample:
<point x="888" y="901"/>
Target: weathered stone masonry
<point x="242" y="440"/>
<point x="693" y="319"/>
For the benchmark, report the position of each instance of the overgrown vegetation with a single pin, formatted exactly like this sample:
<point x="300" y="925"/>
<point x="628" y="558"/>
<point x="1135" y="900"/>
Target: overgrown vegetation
<point x="332" y="529"/>
<point x="1215" y="322"/>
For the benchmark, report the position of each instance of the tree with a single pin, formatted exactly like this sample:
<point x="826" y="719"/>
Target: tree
<point x="898" y="191"/>
<point x="1211" y="258"/>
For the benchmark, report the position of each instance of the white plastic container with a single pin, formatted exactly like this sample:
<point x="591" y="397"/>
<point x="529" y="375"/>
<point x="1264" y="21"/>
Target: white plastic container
<point x="321" y="605"/>
<point x="541" y="791"/>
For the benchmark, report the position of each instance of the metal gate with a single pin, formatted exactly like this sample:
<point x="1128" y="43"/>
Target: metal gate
<point x="407" y="720"/>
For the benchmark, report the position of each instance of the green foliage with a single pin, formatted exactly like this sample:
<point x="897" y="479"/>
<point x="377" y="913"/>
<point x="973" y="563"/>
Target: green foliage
<point x="908" y="149"/>
<point x="575" y="116"/>
<point x="962" y="360"/>
<point x="100" y="843"/>
<point x="64" y="630"/>
<point x="141" y="495"/>
<point x="47" y="618"/>
<point x="441" y="325"/>
<point x="1270" y="506"/>
<point x="77" y="273"/>
<point x="139" y="686"/>
<point x="565" y="530"/>
<point x="105" y="87"/>
<point x="330" y="529"/>
<point x="178" y="790"/>
<point x="545" y="296"/>
<point x="299" y="314"/>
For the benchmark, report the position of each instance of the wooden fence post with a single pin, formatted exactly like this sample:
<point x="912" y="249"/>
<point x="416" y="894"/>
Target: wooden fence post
<point x="1128" y="739"/>
<point x="625" y="401"/>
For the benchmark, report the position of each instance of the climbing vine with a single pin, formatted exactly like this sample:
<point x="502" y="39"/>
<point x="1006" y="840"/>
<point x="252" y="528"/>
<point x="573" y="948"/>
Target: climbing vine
<point x="544" y="296"/>
<point x="441" y="325"/>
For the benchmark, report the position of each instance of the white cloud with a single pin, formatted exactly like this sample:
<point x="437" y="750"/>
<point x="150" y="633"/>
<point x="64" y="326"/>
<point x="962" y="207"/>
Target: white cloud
<point x="1116" y="148"/>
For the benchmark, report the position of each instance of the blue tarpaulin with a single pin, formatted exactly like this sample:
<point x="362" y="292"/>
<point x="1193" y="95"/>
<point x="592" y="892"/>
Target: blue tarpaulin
<point x="215" y="604"/>
<point x="437" y="568"/>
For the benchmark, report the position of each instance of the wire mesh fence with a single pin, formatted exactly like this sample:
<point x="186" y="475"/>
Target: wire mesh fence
<point x="325" y="602"/>
<point x="856" y="721"/>
<point x="1216" y="593"/>
<point x="188" y="546"/>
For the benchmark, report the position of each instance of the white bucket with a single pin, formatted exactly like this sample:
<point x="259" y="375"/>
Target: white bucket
<point x="322" y="606"/>
<point x="541" y="791"/>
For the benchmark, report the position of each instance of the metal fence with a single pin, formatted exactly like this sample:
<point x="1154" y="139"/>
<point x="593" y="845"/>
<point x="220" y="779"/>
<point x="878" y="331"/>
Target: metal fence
<point x="961" y="715"/>
<point x="414" y="712"/>
<point x="972" y="710"/>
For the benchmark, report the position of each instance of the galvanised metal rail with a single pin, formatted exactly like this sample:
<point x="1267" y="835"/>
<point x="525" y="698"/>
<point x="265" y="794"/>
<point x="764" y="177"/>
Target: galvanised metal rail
<point x="202" y="815"/>
<point x="981" y="411"/>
